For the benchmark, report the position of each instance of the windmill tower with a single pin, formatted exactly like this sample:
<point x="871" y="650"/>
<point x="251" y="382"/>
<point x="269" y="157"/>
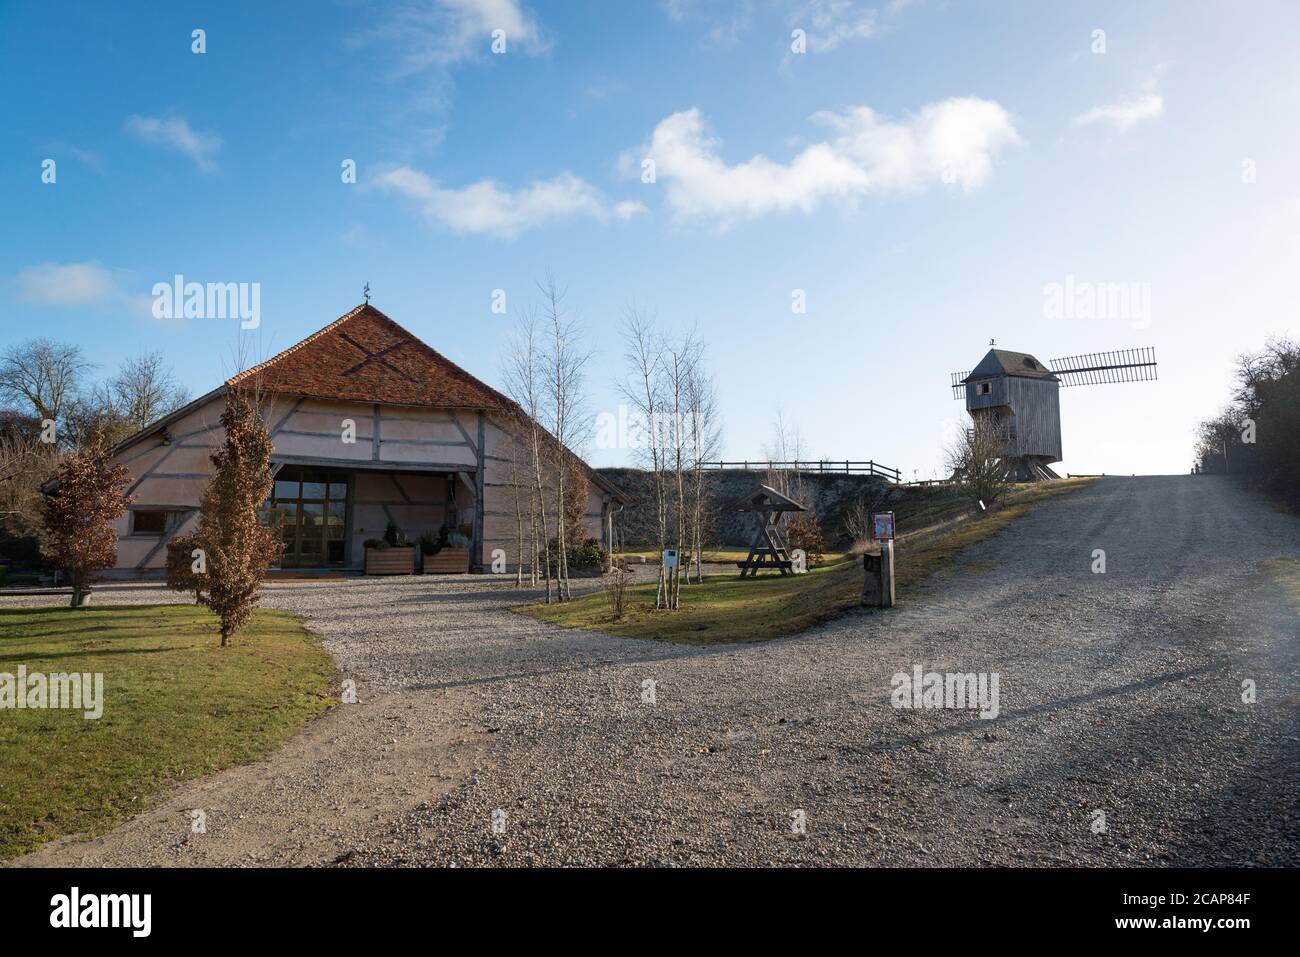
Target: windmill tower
<point x="1020" y="396"/>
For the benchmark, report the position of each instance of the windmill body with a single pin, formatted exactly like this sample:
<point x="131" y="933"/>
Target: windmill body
<point x="1019" y="396"/>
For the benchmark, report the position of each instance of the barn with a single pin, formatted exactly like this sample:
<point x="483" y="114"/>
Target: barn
<point x="370" y="426"/>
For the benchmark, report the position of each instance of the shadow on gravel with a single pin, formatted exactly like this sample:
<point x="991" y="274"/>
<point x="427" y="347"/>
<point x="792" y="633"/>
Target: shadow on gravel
<point x="988" y="724"/>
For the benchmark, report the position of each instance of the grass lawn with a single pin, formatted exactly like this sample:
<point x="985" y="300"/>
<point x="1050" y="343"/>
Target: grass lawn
<point x="727" y="609"/>
<point x="717" y="555"/>
<point x="176" y="707"/>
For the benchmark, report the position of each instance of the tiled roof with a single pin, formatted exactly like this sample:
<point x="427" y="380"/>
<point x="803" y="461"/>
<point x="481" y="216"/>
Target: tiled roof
<point x="366" y="357"/>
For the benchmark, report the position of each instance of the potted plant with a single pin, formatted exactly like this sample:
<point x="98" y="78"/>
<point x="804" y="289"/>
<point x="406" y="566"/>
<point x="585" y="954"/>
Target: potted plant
<point x="449" y="554"/>
<point x="390" y="555"/>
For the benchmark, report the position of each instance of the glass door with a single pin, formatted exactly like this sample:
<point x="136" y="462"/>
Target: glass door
<point x="311" y="508"/>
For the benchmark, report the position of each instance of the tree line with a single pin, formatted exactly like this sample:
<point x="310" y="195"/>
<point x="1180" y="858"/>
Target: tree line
<point x="1257" y="435"/>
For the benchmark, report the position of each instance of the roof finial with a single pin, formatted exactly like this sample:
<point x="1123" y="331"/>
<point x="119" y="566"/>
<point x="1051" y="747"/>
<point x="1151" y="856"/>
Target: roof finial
<point x="992" y="342"/>
<point x="366" y="292"/>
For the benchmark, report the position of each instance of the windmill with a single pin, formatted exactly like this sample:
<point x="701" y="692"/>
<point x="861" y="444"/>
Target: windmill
<point x="1020" y="396"/>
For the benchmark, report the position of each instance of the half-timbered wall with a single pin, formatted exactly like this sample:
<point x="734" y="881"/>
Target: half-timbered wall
<point x="401" y="459"/>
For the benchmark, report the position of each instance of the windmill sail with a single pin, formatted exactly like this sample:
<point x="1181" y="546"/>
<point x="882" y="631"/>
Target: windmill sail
<point x="959" y="384"/>
<point x="1097" y="368"/>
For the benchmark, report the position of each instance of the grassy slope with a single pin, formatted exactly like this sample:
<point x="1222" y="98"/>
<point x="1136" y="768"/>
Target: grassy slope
<point x="176" y="707"/>
<point x="726" y="609"/>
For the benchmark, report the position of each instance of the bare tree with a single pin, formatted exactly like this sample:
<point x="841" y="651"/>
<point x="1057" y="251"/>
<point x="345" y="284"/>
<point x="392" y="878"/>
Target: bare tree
<point x="643" y="392"/>
<point x="703" y="441"/>
<point x="145" y="389"/>
<point x="523" y="375"/>
<point x="787" y="446"/>
<point x="977" y="459"/>
<point x="43" y="373"/>
<point x="25" y="462"/>
<point x="566" y="361"/>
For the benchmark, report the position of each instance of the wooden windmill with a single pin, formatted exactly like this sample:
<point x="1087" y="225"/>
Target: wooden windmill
<point x="768" y="549"/>
<point x="1018" y="395"/>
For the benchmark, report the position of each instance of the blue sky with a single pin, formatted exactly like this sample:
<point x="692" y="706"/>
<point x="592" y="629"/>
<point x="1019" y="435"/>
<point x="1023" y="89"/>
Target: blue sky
<point x="923" y="173"/>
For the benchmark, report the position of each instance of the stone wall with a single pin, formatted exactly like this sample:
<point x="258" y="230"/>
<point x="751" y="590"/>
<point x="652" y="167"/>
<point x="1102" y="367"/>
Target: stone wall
<point x="827" y="494"/>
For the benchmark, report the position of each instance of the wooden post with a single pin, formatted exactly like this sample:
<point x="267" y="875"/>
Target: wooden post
<point x="878" y="580"/>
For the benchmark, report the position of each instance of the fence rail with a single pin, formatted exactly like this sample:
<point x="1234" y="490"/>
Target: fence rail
<point x="821" y="467"/>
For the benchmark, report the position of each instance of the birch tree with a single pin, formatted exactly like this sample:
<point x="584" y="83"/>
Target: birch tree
<point x="566" y="362"/>
<point x="643" y="392"/>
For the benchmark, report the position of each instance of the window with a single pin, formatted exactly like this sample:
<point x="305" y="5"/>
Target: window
<point x="151" y="521"/>
<point x="985" y="388"/>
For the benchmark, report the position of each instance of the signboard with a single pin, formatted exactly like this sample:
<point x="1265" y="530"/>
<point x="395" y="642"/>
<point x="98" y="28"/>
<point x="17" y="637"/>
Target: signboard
<point x="882" y="527"/>
<point x="670" y="558"/>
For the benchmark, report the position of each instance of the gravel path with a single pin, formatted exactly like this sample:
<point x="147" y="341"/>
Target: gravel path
<point x="1119" y="692"/>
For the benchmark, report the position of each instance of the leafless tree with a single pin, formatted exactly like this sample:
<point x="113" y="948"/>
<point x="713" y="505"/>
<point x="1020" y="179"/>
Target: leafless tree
<point x="43" y="373"/>
<point x="566" y="360"/>
<point x="643" y="391"/>
<point x="523" y="377"/>
<point x="145" y="389"/>
<point x="976" y="456"/>
<point x="787" y="446"/>
<point x="703" y="441"/>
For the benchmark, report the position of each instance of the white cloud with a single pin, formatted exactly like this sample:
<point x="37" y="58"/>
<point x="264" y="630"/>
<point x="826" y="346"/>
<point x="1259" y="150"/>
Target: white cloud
<point x="68" y="284"/>
<point x="831" y="23"/>
<point x="438" y="34"/>
<point x="1127" y="111"/>
<point x="489" y="208"/>
<point x="174" y="133"/>
<point x="954" y="141"/>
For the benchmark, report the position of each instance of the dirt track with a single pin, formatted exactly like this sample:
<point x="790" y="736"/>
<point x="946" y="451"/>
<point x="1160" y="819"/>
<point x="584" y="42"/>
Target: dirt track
<point x="1119" y="692"/>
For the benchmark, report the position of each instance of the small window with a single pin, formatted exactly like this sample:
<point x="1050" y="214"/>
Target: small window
<point x="151" y="521"/>
<point x="985" y="388"/>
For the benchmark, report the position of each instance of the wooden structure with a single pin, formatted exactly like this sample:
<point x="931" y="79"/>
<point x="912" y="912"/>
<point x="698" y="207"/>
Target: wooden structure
<point x="820" y="467"/>
<point x="371" y="426"/>
<point x="768" y="549"/>
<point x="1019" y="396"/>
<point x="398" y="560"/>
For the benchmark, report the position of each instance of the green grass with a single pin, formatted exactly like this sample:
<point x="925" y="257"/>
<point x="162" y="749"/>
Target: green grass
<point x="715" y="555"/>
<point x="726" y="609"/>
<point x="176" y="707"/>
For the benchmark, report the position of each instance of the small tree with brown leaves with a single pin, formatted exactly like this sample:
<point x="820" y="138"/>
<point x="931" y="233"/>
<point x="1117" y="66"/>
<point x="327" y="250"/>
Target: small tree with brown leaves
<point x="236" y="547"/>
<point x="185" y="566"/>
<point x="89" y="496"/>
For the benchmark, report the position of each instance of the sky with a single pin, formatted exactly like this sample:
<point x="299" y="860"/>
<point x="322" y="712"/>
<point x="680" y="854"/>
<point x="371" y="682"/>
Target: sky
<point x="849" y="200"/>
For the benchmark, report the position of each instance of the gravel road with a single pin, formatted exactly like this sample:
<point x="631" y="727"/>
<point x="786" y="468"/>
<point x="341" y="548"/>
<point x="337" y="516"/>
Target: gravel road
<point x="482" y="737"/>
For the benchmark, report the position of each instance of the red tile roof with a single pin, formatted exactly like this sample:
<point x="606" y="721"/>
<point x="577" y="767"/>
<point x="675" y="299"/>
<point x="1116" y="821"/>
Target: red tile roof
<point x="366" y="357"/>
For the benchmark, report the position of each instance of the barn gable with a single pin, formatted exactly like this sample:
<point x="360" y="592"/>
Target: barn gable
<point x="366" y="357"/>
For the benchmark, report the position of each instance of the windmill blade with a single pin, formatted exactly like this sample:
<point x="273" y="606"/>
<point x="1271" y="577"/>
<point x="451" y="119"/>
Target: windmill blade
<point x="1097" y="368"/>
<point x="959" y="385"/>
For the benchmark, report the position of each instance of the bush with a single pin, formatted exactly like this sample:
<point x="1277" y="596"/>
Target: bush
<point x="457" y="540"/>
<point x="585" y="555"/>
<point x="394" y="536"/>
<point x="180" y="567"/>
<point x="430" y="544"/>
<point x="804" y="532"/>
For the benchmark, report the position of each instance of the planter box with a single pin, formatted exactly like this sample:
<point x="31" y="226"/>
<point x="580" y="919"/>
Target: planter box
<point x="390" y="561"/>
<point x="449" y="561"/>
